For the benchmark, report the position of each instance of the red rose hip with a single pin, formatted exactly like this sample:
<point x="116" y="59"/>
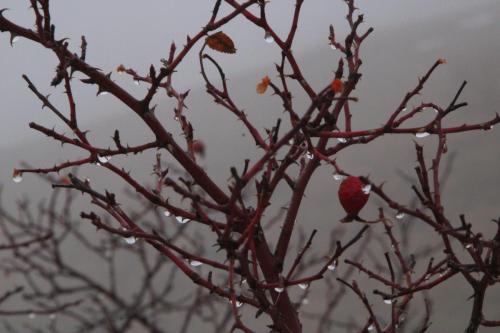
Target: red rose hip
<point x="353" y="196"/>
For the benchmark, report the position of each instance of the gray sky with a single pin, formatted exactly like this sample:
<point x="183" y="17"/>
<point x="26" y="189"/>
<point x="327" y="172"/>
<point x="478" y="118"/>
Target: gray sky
<point x="409" y="36"/>
<point x="137" y="36"/>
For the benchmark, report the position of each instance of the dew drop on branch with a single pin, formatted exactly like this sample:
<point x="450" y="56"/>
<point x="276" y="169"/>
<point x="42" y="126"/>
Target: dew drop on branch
<point x="103" y="93"/>
<point x="130" y="240"/>
<point x="342" y="140"/>
<point x="303" y="286"/>
<point x="52" y="316"/>
<point x="371" y="327"/>
<point x="332" y="46"/>
<point x="17" y="176"/>
<point x="13" y="40"/>
<point x="268" y="37"/>
<point x="422" y="134"/>
<point x="167" y="213"/>
<point x="195" y="263"/>
<point x="309" y="155"/>
<point x="279" y="289"/>
<point x="333" y="266"/>
<point x="404" y="109"/>
<point x="338" y="177"/>
<point x="182" y="220"/>
<point x="388" y="300"/>
<point x="239" y="304"/>
<point x="103" y="159"/>
<point x="367" y="188"/>
<point x="305" y="301"/>
<point x="400" y="215"/>
<point x="136" y="82"/>
<point x="31" y="315"/>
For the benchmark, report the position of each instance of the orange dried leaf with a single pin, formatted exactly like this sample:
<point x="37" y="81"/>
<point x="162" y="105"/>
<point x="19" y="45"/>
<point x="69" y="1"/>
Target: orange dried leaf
<point x="337" y="85"/>
<point x="221" y="42"/>
<point x="262" y="86"/>
<point x="121" y="69"/>
<point x="442" y="61"/>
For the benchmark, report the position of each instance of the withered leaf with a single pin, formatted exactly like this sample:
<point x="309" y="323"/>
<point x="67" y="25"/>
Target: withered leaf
<point x="262" y="86"/>
<point x="221" y="42"/>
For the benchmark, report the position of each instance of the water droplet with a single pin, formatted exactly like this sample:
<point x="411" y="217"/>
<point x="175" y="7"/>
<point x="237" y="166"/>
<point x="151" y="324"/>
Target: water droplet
<point x="14" y="40"/>
<point x="367" y="188"/>
<point x="468" y="245"/>
<point x="342" y="140"/>
<point x="268" y="38"/>
<point x="337" y="176"/>
<point x="491" y="127"/>
<point x="239" y="304"/>
<point x="195" y="263"/>
<point x="333" y="266"/>
<point x="371" y="327"/>
<point x="388" y="300"/>
<point x="137" y="82"/>
<point x="435" y="110"/>
<point x="32" y="316"/>
<point x="291" y="142"/>
<point x="102" y="93"/>
<point x="279" y="289"/>
<point x="103" y="159"/>
<point x="167" y="213"/>
<point x="17" y="176"/>
<point x="52" y="316"/>
<point x="309" y="155"/>
<point x="422" y="134"/>
<point x="427" y="277"/>
<point x="333" y="47"/>
<point x="305" y="301"/>
<point x="130" y="240"/>
<point x="400" y="215"/>
<point x="303" y="286"/>
<point x="404" y="109"/>
<point x="182" y="220"/>
<point x="176" y="118"/>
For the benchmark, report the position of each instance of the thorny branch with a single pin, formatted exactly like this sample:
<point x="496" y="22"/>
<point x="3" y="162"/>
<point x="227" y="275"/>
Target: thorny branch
<point x="253" y="270"/>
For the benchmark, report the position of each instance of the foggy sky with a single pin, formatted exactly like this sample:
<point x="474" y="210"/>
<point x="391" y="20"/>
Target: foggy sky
<point x="409" y="36"/>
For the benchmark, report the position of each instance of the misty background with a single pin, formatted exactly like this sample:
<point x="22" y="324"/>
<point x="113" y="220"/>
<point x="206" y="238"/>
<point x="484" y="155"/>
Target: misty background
<point x="409" y="36"/>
